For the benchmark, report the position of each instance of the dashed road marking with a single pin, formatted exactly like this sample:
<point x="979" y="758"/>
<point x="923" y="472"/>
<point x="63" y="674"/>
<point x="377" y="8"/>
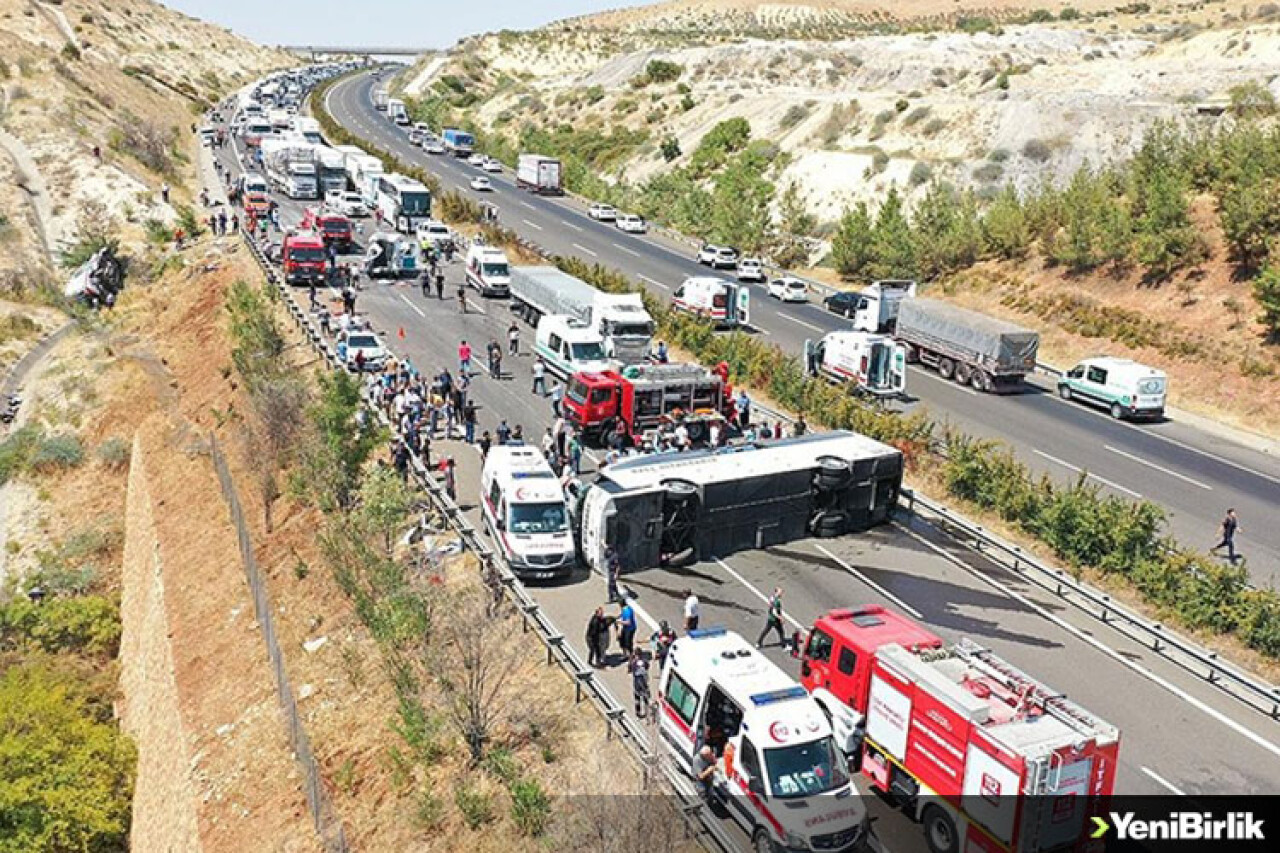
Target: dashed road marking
<point x="1104" y="481"/>
<point x="869" y="582"/>
<point x="584" y="249"/>
<point x="1160" y="468"/>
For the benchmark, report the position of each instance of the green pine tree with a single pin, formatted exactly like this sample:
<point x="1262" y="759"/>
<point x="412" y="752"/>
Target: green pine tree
<point x="1266" y="289"/>
<point x="851" y="245"/>
<point x="1005" y="230"/>
<point x="893" y="251"/>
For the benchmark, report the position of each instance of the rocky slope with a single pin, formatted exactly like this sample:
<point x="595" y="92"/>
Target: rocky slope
<point x="126" y="76"/>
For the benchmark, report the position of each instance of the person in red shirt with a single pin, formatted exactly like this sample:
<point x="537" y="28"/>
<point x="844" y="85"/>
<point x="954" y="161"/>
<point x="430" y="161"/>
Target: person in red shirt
<point x="464" y="358"/>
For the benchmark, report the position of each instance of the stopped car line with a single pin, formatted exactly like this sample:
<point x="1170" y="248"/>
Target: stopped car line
<point x="908" y="566"/>
<point x="1237" y="476"/>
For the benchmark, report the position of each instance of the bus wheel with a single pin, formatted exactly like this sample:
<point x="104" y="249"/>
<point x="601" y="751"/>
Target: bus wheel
<point x="940" y="831"/>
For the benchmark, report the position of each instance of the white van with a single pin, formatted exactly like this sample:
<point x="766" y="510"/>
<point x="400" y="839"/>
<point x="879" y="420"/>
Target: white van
<point x="874" y="363"/>
<point x="779" y="771"/>
<point x="725" y="303"/>
<point x="567" y="346"/>
<point x="1124" y="387"/>
<point x="526" y="513"/>
<point x="488" y="270"/>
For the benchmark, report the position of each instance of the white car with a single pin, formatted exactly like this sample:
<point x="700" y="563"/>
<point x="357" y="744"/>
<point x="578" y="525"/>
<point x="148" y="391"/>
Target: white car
<point x="477" y="159"/>
<point x="789" y="289"/>
<point x="433" y="233"/>
<point x="751" y="269"/>
<point x="433" y="146"/>
<point x="602" y="212"/>
<point x="348" y="204"/>
<point x="366" y="343"/>
<point x="481" y="184"/>
<point x="718" y="257"/>
<point x="631" y="223"/>
<point x="492" y="165"/>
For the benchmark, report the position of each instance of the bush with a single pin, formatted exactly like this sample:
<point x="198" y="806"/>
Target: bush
<point x="1037" y="150"/>
<point x="669" y="148"/>
<point x="921" y="172"/>
<point x="157" y="232"/>
<point x="16" y="451"/>
<point x="88" y="625"/>
<point x="68" y="770"/>
<point x="57" y="453"/>
<point x="476" y="806"/>
<point x="530" y="807"/>
<point x="1069" y="14"/>
<point x="114" y="453"/>
<point x="663" y="71"/>
<point x="795" y="114"/>
<point x="148" y="143"/>
<point x="70" y="51"/>
<point x="1266" y="290"/>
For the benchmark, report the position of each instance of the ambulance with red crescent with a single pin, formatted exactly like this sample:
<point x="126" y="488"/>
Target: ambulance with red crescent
<point x="779" y="771"/>
<point x="526" y="514"/>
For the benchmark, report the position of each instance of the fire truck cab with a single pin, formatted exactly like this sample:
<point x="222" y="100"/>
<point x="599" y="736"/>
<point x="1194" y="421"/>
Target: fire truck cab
<point x="642" y="395"/>
<point x="304" y="258"/>
<point x="986" y="757"/>
<point x="333" y="228"/>
<point x="779" y="772"/>
<point x="255" y="194"/>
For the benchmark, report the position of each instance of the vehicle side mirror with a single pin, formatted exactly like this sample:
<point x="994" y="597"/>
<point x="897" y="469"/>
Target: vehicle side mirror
<point x="756" y="786"/>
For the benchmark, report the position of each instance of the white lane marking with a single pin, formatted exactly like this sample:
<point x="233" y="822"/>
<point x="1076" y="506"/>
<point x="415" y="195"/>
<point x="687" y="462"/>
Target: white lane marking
<point x="584" y="249"/>
<point x="1106" y="650"/>
<point x="798" y="321"/>
<point x="869" y="582"/>
<point x="1089" y="474"/>
<point x="640" y="611"/>
<point x="627" y="250"/>
<point x="531" y="224"/>
<point x="654" y="282"/>
<point x="1163" y="781"/>
<point x="476" y="306"/>
<point x="421" y="313"/>
<point x="577" y="228"/>
<point x="530" y="206"/>
<point x="757" y="593"/>
<point x="761" y="329"/>
<point x="920" y="371"/>
<point x="1160" y="468"/>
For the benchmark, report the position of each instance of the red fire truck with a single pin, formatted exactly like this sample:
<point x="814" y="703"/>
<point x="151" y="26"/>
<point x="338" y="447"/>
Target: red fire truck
<point x="303" y="257"/>
<point x="333" y="228"/>
<point x="644" y="396"/>
<point x="986" y="757"/>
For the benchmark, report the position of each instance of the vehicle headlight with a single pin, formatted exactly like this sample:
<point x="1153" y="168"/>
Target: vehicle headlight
<point x="791" y="839"/>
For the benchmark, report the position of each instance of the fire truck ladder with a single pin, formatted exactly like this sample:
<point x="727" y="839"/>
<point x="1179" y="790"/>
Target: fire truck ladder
<point x="1015" y="679"/>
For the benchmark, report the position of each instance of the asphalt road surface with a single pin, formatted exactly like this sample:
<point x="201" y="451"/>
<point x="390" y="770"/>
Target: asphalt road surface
<point x="1180" y="735"/>
<point x="1195" y="476"/>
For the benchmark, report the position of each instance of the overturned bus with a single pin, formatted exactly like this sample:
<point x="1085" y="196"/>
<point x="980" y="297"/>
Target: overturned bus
<point x="671" y="509"/>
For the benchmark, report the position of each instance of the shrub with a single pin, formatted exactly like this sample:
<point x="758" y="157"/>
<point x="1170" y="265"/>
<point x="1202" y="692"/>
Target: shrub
<point x="921" y="172"/>
<point x="795" y="114"/>
<point x="1037" y="150"/>
<point x="901" y="105"/>
<point x="476" y="806"/>
<point x="669" y="148"/>
<point x="915" y="116"/>
<point x="88" y="625"/>
<point x="70" y="51"/>
<point x="1266" y="290"/>
<point x="429" y="810"/>
<point x="16" y="451"/>
<point x="1069" y="14"/>
<point x="57" y="453"/>
<point x="999" y="155"/>
<point x="114" y="453"/>
<point x="530" y="807"/>
<point x="663" y="71"/>
<point x="988" y="172"/>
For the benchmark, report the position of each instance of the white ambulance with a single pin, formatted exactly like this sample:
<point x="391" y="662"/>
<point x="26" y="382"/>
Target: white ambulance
<point x="725" y="303"/>
<point x="526" y="513"/>
<point x="1123" y="387"/>
<point x="876" y="364"/>
<point x="488" y="270"/>
<point x="779" y="771"/>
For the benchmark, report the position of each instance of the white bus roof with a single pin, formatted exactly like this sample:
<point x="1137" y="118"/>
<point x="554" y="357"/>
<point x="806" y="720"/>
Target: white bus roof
<point x="737" y="463"/>
<point x="404" y="183"/>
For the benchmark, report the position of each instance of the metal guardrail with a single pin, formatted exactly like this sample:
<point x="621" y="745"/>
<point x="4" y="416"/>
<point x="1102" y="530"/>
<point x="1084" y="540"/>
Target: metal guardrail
<point x="703" y="826"/>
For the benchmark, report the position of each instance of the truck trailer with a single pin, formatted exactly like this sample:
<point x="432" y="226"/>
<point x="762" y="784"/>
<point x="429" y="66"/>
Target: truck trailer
<point x="620" y="318"/>
<point x="972" y="348"/>
<point x="458" y="142"/>
<point x="539" y="174"/>
<point x="673" y="508"/>
<point x="986" y="757"/>
<point x="291" y="168"/>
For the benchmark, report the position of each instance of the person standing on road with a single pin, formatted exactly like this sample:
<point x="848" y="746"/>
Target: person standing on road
<point x="575" y="453"/>
<point x="800" y="427"/>
<point x="743" y="407"/>
<point x="440" y="285"/>
<point x="691" y="613"/>
<point x="448" y="466"/>
<point x="462" y="297"/>
<point x="639" y="669"/>
<point x="626" y="627"/>
<point x="1230" y="526"/>
<point x="597" y="638"/>
<point x="773" y="621"/>
<point x="469" y="421"/>
<point x="504" y="432"/>
<point x="704" y="772"/>
<point x="662" y="640"/>
<point x="557" y="399"/>
<point x="464" y="358"/>
<point x="513" y="339"/>
<point x="486" y="441"/>
<point x="539" y="378"/>
<point x="426" y="284"/>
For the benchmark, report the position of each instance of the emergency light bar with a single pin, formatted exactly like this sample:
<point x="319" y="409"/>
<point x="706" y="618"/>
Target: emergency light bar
<point x="700" y="633"/>
<point x="786" y="694"/>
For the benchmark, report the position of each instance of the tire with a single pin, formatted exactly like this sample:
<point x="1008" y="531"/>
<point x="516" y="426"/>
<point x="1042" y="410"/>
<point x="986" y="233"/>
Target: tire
<point x="1117" y="412"/>
<point x="848" y="313"/>
<point x="762" y="843"/>
<point x="830" y="524"/>
<point x="939" y="830"/>
<point x="1064" y="391"/>
<point x="963" y="373"/>
<point x="946" y="368"/>
<point x="833" y="474"/>
<point x="980" y="381"/>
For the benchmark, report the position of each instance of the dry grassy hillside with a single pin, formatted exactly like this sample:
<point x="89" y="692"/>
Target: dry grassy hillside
<point x="125" y="75"/>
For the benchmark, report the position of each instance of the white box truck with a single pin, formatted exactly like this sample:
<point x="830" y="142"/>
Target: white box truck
<point x="291" y="168"/>
<point x="539" y="174"/>
<point x="619" y="318"/>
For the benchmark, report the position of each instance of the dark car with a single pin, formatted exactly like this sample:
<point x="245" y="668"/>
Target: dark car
<point x="843" y="302"/>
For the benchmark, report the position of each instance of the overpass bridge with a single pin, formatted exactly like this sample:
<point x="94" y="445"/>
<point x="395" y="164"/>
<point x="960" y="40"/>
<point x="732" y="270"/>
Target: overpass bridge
<point x="317" y="51"/>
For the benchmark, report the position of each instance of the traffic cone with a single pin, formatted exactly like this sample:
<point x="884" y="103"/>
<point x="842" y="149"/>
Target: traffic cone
<point x="401" y="333"/>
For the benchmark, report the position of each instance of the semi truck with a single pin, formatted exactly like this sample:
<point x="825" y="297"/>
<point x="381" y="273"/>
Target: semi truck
<point x="872" y="363"/>
<point x="380" y="98"/>
<point x="620" y="318"/>
<point x="291" y="168"/>
<point x="673" y="508"/>
<point x="396" y="111"/>
<point x="458" y="142"/>
<point x="974" y="349"/>
<point x="308" y="128"/>
<point x="986" y="757"/>
<point x="332" y="169"/>
<point x="643" y="396"/>
<point x="539" y="174"/>
<point x="876" y="308"/>
<point x="362" y="171"/>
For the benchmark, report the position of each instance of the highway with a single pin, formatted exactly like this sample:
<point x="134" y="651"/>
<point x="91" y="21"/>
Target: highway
<point x="1180" y="735"/>
<point x="1194" y="475"/>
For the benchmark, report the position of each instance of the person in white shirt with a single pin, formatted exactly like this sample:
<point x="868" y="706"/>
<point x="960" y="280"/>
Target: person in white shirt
<point x="691" y="613"/>
<point x="682" y="437"/>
